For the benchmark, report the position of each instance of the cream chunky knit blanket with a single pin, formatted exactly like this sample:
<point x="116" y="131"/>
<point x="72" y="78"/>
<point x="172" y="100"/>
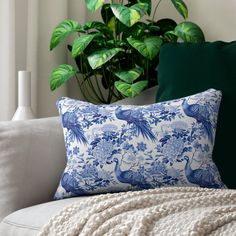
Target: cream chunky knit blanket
<point x="164" y="212"/>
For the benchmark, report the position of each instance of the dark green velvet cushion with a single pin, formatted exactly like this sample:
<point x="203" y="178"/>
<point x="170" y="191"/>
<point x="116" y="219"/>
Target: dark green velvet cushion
<point x="186" y="69"/>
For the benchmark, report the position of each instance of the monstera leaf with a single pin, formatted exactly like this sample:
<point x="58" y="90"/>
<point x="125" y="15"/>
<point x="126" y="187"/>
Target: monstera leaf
<point x="60" y="75"/>
<point x="81" y="43"/>
<point x="129" y="76"/>
<point x="181" y="7"/>
<point x="64" y="29"/>
<point x="129" y="15"/>
<point x="131" y="90"/>
<point x="149" y="47"/>
<point x="93" y="5"/>
<point x="189" y="32"/>
<point x="99" y="58"/>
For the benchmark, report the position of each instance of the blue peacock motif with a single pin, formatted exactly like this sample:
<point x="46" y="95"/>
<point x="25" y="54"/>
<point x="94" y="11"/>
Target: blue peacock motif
<point x="135" y="117"/>
<point x="70" y="184"/>
<point x="201" y="177"/>
<point x="69" y="121"/>
<point x="201" y="114"/>
<point x="120" y="148"/>
<point x="133" y="178"/>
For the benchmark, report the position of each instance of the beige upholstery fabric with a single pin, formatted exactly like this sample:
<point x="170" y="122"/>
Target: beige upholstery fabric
<point x="29" y="221"/>
<point x="32" y="158"/>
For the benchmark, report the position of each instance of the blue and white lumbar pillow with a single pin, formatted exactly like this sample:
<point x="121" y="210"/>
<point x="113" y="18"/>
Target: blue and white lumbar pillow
<point x="113" y="148"/>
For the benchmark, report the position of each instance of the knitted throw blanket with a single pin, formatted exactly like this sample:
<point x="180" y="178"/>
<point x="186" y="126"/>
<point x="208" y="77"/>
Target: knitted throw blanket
<point x="162" y="212"/>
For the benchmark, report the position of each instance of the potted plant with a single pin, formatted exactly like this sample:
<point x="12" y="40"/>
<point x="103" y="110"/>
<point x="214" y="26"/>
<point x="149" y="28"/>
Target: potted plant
<point x="120" y="53"/>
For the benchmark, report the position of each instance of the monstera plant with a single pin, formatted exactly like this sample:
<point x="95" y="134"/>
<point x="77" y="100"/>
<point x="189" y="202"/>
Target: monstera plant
<point x="118" y="56"/>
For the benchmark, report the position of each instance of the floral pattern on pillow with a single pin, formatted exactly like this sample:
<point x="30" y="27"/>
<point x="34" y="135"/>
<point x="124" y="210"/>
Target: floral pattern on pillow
<point x="113" y="148"/>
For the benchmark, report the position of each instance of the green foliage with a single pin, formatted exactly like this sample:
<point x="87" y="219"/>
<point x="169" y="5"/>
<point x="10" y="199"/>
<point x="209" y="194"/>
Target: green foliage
<point x="181" y="8"/>
<point x="81" y="43"/>
<point x="93" y="5"/>
<point x="119" y="54"/>
<point x="126" y="84"/>
<point x="99" y="58"/>
<point x="149" y="47"/>
<point x="129" y="15"/>
<point x="60" y="75"/>
<point x="64" y="29"/>
<point x="131" y="90"/>
<point x="129" y="76"/>
<point x="189" y="32"/>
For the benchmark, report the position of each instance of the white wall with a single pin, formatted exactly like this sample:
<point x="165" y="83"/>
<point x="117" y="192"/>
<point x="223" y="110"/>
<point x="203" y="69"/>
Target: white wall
<point x="217" y="18"/>
<point x="76" y="11"/>
<point x="25" y="30"/>
<point x="7" y="59"/>
<point x="49" y="14"/>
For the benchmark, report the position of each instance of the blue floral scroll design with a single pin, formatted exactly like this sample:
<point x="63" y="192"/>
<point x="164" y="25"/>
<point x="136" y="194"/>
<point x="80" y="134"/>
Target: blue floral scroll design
<point x="112" y="148"/>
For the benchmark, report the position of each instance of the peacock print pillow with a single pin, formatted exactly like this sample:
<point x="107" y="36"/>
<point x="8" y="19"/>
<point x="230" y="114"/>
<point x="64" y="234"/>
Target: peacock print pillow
<point x="113" y="148"/>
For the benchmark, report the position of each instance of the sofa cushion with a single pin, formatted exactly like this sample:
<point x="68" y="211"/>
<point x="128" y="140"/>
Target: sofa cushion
<point x="32" y="158"/>
<point x="122" y="147"/>
<point x="29" y="221"/>
<point x="187" y="68"/>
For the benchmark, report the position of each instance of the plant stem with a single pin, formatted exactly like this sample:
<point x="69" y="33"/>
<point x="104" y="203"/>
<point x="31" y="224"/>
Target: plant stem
<point x="118" y="97"/>
<point x="80" y="87"/>
<point x="98" y="86"/>
<point x="147" y="65"/>
<point x="110" y="94"/>
<point x="90" y="97"/>
<point x="107" y="84"/>
<point x="93" y="90"/>
<point x="83" y="87"/>
<point x="155" y="11"/>
<point x="100" y="99"/>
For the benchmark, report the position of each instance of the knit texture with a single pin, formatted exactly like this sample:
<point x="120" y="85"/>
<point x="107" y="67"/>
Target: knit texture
<point x="163" y="212"/>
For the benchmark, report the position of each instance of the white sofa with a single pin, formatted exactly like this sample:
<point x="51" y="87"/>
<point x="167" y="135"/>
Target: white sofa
<point x="32" y="159"/>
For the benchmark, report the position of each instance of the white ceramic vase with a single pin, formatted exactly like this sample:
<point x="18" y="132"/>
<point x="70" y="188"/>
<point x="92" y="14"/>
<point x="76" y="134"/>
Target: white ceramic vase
<point x="24" y="110"/>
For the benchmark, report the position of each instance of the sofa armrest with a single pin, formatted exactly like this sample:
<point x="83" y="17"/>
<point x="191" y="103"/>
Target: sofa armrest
<point x="32" y="158"/>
